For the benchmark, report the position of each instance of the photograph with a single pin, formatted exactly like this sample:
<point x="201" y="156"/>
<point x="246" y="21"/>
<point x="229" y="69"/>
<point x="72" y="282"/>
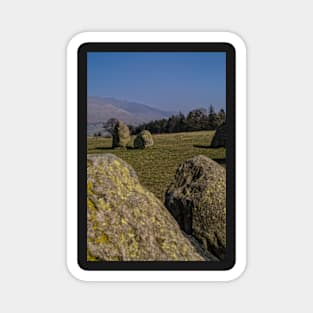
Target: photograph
<point x="156" y="159"/>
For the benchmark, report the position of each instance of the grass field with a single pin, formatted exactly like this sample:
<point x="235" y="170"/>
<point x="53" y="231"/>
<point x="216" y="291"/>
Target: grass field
<point x="156" y="166"/>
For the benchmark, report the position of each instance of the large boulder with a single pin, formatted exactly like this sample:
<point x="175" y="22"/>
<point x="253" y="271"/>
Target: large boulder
<point x="125" y="221"/>
<point x="197" y="200"/>
<point x="220" y="137"/>
<point x="143" y="140"/>
<point x="121" y="135"/>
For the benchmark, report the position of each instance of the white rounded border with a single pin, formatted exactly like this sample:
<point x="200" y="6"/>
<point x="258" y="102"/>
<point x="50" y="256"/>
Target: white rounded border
<point x="241" y="164"/>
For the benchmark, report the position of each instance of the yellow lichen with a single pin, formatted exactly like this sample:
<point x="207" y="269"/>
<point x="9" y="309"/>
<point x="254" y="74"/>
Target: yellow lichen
<point x="102" y="239"/>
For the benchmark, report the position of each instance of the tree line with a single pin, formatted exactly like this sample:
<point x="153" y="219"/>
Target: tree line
<point x="195" y="120"/>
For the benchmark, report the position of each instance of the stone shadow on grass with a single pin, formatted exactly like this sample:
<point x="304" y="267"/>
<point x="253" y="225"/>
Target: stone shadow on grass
<point x="207" y="147"/>
<point x="201" y="146"/>
<point x="104" y="148"/>
<point x="116" y="148"/>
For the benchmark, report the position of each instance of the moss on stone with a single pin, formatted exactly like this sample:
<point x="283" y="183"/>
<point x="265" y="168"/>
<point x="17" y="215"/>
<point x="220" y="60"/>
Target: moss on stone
<point x="197" y="200"/>
<point x="125" y="221"/>
<point x="121" y="135"/>
<point x="143" y="140"/>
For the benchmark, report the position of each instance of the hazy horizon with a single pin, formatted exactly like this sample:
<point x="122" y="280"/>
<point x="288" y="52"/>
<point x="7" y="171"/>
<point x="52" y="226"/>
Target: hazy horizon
<point x="169" y="81"/>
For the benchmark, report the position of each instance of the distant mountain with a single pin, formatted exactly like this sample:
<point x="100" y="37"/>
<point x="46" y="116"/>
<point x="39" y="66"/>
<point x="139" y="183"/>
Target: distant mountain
<point x="100" y="109"/>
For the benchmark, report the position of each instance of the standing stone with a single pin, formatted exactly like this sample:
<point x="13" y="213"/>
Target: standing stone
<point x="197" y="200"/>
<point x="126" y="222"/>
<point x="143" y="140"/>
<point x="220" y="137"/>
<point x="121" y="135"/>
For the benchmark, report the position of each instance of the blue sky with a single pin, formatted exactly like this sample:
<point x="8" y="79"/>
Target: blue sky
<point x="173" y="81"/>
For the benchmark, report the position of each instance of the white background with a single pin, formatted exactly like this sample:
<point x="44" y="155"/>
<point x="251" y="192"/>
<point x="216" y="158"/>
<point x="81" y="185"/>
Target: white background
<point x="33" y="274"/>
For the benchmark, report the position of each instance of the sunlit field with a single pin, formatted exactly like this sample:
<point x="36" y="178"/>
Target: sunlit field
<point x="156" y="166"/>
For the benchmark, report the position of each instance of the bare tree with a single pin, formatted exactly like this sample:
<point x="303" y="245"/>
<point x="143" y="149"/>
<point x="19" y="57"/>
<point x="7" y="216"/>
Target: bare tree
<point x="110" y="125"/>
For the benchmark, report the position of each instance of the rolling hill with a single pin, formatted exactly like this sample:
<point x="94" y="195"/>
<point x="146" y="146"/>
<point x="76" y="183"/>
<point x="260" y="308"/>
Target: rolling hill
<point x="100" y="109"/>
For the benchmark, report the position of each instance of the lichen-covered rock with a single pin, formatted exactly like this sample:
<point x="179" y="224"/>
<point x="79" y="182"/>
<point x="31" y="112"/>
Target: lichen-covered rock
<point x="197" y="200"/>
<point x="220" y="137"/>
<point x="143" y="140"/>
<point x="125" y="221"/>
<point x="121" y="135"/>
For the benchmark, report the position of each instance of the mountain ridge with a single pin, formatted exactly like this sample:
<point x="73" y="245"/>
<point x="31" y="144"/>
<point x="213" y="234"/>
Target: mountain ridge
<point x="100" y="109"/>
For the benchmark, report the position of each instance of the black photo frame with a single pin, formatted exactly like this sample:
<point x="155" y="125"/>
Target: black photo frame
<point x="230" y="257"/>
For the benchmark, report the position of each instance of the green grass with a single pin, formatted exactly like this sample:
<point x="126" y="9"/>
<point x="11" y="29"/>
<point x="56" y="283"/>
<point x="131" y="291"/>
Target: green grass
<point x="156" y="166"/>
